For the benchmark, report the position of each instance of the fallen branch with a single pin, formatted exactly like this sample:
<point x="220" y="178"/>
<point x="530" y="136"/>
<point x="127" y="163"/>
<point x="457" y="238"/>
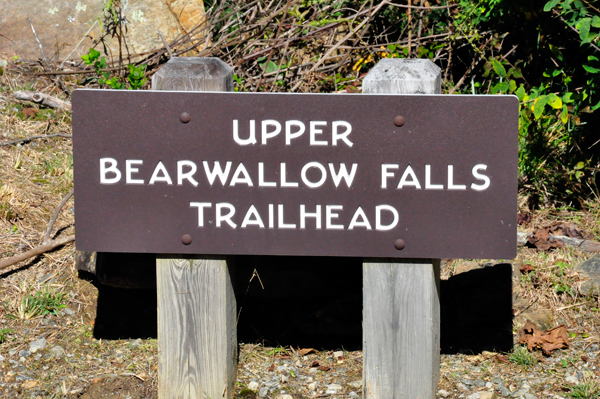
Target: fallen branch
<point x="47" y="244"/>
<point x="42" y="98"/>
<point x="28" y="139"/>
<point x="584" y="245"/>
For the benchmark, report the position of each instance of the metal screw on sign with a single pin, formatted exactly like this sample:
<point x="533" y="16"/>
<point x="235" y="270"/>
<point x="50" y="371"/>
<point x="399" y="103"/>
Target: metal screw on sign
<point x="399" y="244"/>
<point x="399" y="121"/>
<point x="185" y="117"/>
<point x="186" y="239"/>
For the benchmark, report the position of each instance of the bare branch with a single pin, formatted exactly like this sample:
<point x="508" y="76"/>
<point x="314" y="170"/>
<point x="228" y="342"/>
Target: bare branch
<point x="28" y="139"/>
<point x="42" y="98"/>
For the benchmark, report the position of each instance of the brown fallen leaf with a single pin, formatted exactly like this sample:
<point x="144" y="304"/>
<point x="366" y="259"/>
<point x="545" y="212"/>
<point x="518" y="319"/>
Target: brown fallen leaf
<point x="526" y="268"/>
<point x="324" y="368"/>
<point x="30" y="384"/>
<point x="306" y="351"/>
<point x="272" y="367"/>
<point x="542" y="241"/>
<point x="523" y="218"/>
<point x="555" y="338"/>
<point x="29" y="112"/>
<point x="315" y="364"/>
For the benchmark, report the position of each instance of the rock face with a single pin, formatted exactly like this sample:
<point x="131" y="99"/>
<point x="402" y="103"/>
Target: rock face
<point x="589" y="274"/>
<point x="60" y="25"/>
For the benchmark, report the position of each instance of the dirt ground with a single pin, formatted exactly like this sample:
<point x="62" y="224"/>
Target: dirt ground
<point x="62" y="336"/>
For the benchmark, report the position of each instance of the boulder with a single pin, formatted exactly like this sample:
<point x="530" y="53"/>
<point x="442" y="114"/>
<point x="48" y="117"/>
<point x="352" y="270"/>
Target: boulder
<point x="589" y="275"/>
<point x="61" y="26"/>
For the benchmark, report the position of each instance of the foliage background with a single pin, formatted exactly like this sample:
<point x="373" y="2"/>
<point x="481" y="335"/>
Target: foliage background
<point x="544" y="52"/>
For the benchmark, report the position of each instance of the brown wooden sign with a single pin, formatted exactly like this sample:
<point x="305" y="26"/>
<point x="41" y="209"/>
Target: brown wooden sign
<point x="404" y="176"/>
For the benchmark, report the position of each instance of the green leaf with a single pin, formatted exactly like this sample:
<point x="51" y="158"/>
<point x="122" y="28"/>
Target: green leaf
<point x="499" y="69"/>
<point x="595" y="107"/>
<point x="554" y="101"/>
<point x="580" y="165"/>
<point x="498" y="87"/>
<point x="592" y="58"/>
<point x="583" y="26"/>
<point x="512" y="86"/>
<point x="550" y="5"/>
<point x="520" y="92"/>
<point x="591" y="69"/>
<point x="538" y="106"/>
<point x="564" y="114"/>
<point x="566" y="98"/>
<point x="596" y="21"/>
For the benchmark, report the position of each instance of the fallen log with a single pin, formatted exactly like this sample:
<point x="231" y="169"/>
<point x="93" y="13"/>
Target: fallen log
<point x="42" y="98"/>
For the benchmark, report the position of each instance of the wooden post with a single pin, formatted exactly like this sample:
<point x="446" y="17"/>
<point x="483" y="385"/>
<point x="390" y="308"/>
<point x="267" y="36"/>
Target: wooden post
<point x="401" y="305"/>
<point x="197" y="337"/>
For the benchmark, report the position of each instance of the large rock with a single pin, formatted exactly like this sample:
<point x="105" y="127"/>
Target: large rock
<point x="589" y="274"/>
<point x="60" y="25"/>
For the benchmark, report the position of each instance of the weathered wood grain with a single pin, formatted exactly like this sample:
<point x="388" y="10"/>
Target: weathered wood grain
<point x="401" y="305"/>
<point x="197" y="332"/>
<point x="197" y="344"/>
<point x="42" y="98"/>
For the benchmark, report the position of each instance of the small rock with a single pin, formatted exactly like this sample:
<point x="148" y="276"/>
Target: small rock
<point x="253" y="385"/>
<point x="462" y="387"/>
<point x="474" y="396"/>
<point x="489" y="385"/>
<point x="136" y="343"/>
<point x="96" y="380"/>
<point x="353" y="395"/>
<point x="67" y="312"/>
<point x="12" y="352"/>
<point x="443" y="394"/>
<point x="527" y="395"/>
<point x="2" y="358"/>
<point x="333" y="389"/>
<point x="467" y="382"/>
<point x="487" y="395"/>
<point x="356" y="384"/>
<point x="338" y="354"/>
<point x="542" y="319"/>
<point x="479" y="383"/>
<point x="24" y="377"/>
<point x="57" y="352"/>
<point x="37" y="345"/>
<point x="285" y="379"/>
<point x="312" y="386"/>
<point x="572" y="380"/>
<point x="464" y="266"/>
<point x="24" y="353"/>
<point x="263" y="392"/>
<point x="589" y="271"/>
<point x="284" y="396"/>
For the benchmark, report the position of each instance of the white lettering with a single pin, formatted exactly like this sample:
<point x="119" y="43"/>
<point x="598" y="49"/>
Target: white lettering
<point x="451" y="185"/>
<point x="129" y="169"/>
<point x="378" y="225"/>
<point x="187" y="175"/>
<point x="225" y="218"/>
<point x="479" y="176"/>
<point x="343" y="173"/>
<point x="267" y="135"/>
<point x="314" y="131"/>
<point x="428" y="185"/>
<point x="288" y="131"/>
<point x="160" y="174"/>
<point x="304" y="215"/>
<point x="335" y="136"/>
<point x="261" y="177"/>
<point x="104" y="169"/>
<point x="271" y="216"/>
<point x="217" y="171"/>
<point x="305" y="178"/>
<point x="356" y="223"/>
<point x="280" y="223"/>
<point x="385" y="174"/>
<point x="283" y="174"/>
<point x="252" y="212"/>
<point x="251" y="137"/>
<point x="329" y="215"/>
<point x="200" y="206"/>
<point x="413" y="182"/>
<point x="241" y="170"/>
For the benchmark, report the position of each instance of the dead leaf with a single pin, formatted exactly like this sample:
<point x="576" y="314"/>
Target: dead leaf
<point x="555" y="338"/>
<point x="272" y="367"/>
<point x="526" y="268"/>
<point x="30" y="384"/>
<point x="324" y="368"/>
<point x="315" y="364"/>
<point x="29" y="112"/>
<point x="542" y="241"/>
<point x="306" y="351"/>
<point x="523" y="218"/>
